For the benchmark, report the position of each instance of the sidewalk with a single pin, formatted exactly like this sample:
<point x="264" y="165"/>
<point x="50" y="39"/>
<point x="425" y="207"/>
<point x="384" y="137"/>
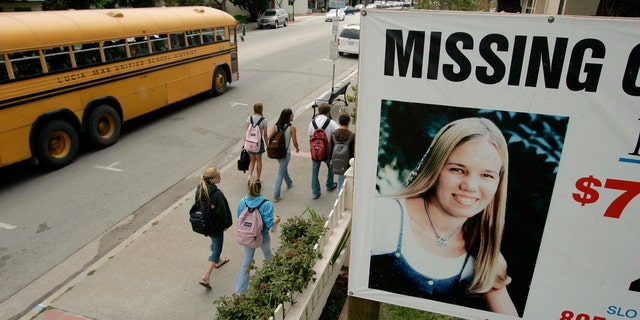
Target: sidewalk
<point x="154" y="274"/>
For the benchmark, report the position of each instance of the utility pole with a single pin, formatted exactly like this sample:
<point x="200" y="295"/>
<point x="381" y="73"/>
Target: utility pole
<point x="292" y="3"/>
<point x="333" y="52"/>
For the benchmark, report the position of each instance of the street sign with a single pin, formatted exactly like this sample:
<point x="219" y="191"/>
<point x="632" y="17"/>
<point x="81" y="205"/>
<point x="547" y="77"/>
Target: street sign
<point x="333" y="50"/>
<point x="337" y="3"/>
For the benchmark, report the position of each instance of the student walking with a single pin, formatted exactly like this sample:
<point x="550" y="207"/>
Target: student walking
<point x="254" y="199"/>
<point x="284" y="123"/>
<point x="343" y="136"/>
<point x="208" y="191"/>
<point x="255" y="157"/>
<point x="322" y="120"/>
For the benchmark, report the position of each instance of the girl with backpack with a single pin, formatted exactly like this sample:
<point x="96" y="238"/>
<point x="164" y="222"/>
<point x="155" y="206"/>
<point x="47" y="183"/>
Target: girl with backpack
<point x="208" y="191"/>
<point x="257" y="119"/>
<point x="284" y="123"/>
<point x="254" y="199"/>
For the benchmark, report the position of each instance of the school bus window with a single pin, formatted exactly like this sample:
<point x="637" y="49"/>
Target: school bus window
<point x="177" y="40"/>
<point x="114" y="50"/>
<point x="194" y="38"/>
<point x="138" y="47"/>
<point x="159" y="43"/>
<point x="232" y="36"/>
<point x="220" y="34"/>
<point x="25" y="64"/>
<point x="207" y="35"/>
<point x="57" y="59"/>
<point x="4" y="73"/>
<point x="87" y="54"/>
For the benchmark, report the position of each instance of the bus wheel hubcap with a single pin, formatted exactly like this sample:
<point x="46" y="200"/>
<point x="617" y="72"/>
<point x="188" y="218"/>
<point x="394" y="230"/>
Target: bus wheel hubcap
<point x="106" y="126"/>
<point x="59" y="144"/>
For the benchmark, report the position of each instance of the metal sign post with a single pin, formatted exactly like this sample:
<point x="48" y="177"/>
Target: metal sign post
<point x="333" y="49"/>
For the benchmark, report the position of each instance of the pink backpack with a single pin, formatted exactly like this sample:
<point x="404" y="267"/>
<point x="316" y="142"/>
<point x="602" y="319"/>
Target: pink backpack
<point x="250" y="226"/>
<point x="253" y="136"/>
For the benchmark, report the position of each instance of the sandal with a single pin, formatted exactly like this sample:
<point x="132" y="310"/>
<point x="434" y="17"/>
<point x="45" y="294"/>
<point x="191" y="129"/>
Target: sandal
<point x="222" y="262"/>
<point x="205" y="284"/>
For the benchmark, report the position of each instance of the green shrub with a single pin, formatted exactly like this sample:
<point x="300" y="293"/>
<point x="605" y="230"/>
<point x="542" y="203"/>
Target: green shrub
<point x="241" y="19"/>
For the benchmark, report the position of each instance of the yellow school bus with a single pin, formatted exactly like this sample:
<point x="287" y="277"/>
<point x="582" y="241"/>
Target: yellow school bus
<point x="67" y="75"/>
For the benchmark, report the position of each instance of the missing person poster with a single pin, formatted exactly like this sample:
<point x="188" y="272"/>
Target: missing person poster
<point x="497" y="169"/>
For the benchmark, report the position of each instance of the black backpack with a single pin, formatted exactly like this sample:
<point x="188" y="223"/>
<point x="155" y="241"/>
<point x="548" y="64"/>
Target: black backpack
<point x="243" y="162"/>
<point x="340" y="154"/>
<point x="201" y="218"/>
<point x="277" y="145"/>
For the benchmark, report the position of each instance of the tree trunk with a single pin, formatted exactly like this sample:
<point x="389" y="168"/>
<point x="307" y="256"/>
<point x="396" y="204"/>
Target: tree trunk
<point x="618" y="8"/>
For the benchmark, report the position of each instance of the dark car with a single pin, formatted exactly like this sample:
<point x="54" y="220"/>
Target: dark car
<point x="350" y="10"/>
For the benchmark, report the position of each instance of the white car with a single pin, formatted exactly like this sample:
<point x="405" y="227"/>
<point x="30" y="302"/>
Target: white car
<point x="332" y="15"/>
<point x="349" y="40"/>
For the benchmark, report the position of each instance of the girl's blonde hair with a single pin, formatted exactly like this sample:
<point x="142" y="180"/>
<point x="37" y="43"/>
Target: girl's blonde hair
<point x="209" y="175"/>
<point x="254" y="186"/>
<point x="483" y="232"/>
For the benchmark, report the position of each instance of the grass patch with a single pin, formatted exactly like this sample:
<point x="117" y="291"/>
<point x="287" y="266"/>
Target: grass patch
<point x="393" y="312"/>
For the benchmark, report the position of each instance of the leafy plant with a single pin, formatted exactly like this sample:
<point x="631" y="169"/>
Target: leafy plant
<point x="305" y="230"/>
<point x="353" y="98"/>
<point x="241" y="19"/>
<point x="254" y="7"/>
<point x="289" y="270"/>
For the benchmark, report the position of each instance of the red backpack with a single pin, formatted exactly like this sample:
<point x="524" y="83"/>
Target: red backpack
<point x="318" y="143"/>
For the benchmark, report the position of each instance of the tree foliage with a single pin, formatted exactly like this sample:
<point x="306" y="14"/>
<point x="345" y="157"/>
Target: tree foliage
<point x="88" y="4"/>
<point x="457" y="5"/>
<point x="513" y="6"/>
<point x="618" y="8"/>
<point x="610" y="8"/>
<point x="254" y="7"/>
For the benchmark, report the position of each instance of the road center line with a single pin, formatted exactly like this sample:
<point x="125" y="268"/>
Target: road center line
<point x="110" y="167"/>
<point x="7" y="226"/>
<point x="237" y="104"/>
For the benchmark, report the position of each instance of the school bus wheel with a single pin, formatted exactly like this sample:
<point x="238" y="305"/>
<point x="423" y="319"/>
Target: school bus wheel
<point x="219" y="82"/>
<point x="57" y="144"/>
<point x="103" y="128"/>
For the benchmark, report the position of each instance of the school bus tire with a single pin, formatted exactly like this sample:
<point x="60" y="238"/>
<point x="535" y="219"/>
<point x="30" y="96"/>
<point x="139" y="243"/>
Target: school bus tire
<point x="104" y="126"/>
<point x="57" y="145"/>
<point x="219" y="82"/>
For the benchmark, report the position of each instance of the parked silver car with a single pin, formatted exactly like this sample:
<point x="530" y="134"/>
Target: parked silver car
<point x="273" y="18"/>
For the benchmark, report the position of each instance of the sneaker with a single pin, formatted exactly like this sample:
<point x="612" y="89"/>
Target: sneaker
<point x="333" y="187"/>
<point x="289" y="186"/>
<point x="277" y="199"/>
<point x="316" y="196"/>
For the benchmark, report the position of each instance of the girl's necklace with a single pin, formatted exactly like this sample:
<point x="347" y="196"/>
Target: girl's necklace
<point x="442" y="241"/>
